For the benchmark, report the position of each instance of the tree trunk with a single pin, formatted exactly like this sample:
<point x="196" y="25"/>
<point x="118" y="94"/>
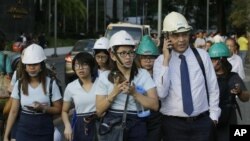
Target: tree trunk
<point x="76" y="24"/>
<point x="221" y="24"/>
<point x="64" y="24"/>
<point x="114" y="11"/>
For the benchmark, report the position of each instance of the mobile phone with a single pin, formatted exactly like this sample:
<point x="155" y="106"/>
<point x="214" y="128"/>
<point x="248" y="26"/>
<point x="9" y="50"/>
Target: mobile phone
<point x="170" y="45"/>
<point x="29" y="107"/>
<point x="236" y="85"/>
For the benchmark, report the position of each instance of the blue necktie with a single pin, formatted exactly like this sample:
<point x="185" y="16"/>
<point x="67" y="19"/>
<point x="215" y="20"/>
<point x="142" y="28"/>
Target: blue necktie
<point x="185" y="87"/>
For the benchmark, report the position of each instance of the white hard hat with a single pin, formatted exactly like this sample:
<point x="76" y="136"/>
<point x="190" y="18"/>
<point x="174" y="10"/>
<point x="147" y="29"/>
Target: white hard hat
<point x="33" y="54"/>
<point x="217" y="39"/>
<point x="101" y="43"/>
<point x="175" y="22"/>
<point x="121" y="38"/>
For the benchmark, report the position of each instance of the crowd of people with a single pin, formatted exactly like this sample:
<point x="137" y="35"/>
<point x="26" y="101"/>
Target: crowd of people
<point x="169" y="89"/>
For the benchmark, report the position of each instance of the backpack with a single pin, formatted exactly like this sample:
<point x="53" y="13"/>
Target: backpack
<point x="50" y="89"/>
<point x="4" y="79"/>
<point x="50" y="72"/>
<point x="52" y="76"/>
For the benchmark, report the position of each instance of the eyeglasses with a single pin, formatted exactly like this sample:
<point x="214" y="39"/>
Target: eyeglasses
<point x="124" y="54"/>
<point x="101" y="57"/>
<point x="81" y="66"/>
<point x="148" y="58"/>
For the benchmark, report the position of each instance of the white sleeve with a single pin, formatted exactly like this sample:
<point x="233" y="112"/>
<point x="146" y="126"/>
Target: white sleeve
<point x="241" y="70"/>
<point x="67" y="96"/>
<point x="56" y="94"/>
<point x="13" y="79"/>
<point x="103" y="84"/>
<point x="15" y="91"/>
<point x="196" y="43"/>
<point x="149" y="82"/>
<point x="160" y="75"/>
<point x="213" y="89"/>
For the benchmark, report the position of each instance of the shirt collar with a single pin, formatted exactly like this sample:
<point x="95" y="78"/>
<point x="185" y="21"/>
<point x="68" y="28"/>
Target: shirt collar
<point x="186" y="53"/>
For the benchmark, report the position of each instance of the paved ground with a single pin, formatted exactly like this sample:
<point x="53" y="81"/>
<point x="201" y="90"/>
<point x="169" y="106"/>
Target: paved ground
<point x="245" y="107"/>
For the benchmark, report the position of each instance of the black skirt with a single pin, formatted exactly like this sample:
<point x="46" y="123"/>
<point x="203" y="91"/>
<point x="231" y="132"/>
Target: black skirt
<point x="84" y="128"/>
<point x="35" y="127"/>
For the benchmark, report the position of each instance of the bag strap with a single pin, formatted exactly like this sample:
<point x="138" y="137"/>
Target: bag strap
<point x="19" y="89"/>
<point x="235" y="101"/>
<point x="124" y="116"/>
<point x="50" y="90"/>
<point x="4" y="63"/>
<point x="238" y="109"/>
<point x="198" y="57"/>
<point x="19" y="93"/>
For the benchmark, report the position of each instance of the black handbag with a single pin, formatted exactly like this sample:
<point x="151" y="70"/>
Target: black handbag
<point x="117" y="132"/>
<point x="115" y="127"/>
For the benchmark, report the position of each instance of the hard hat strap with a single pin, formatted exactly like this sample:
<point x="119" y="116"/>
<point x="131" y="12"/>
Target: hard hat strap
<point x="118" y="58"/>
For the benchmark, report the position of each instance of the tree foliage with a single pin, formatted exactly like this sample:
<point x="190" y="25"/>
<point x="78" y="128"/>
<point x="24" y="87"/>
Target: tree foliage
<point x="240" y="15"/>
<point x="72" y="8"/>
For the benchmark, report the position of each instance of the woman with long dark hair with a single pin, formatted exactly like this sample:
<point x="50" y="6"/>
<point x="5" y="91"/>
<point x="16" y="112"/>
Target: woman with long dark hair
<point x="32" y="100"/>
<point x="120" y="86"/>
<point x="231" y="86"/>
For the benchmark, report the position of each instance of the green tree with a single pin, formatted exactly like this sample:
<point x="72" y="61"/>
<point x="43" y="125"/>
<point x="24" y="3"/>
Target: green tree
<point x="74" y="10"/>
<point x="240" y="16"/>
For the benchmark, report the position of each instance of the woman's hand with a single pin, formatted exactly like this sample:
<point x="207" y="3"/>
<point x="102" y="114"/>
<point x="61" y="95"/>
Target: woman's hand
<point x="68" y="133"/>
<point x="125" y="87"/>
<point x="236" y="90"/>
<point x="37" y="106"/>
<point x="132" y="90"/>
<point x="120" y="86"/>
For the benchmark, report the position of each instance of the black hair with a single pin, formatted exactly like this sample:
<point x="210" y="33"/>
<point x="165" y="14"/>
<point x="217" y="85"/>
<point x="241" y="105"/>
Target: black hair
<point x="226" y="66"/>
<point x="210" y="42"/>
<point x="101" y="50"/>
<point x="25" y="78"/>
<point x="115" y="70"/>
<point x="97" y="51"/>
<point x="84" y="57"/>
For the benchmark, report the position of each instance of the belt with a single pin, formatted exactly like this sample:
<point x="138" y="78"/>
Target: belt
<point x="122" y="111"/>
<point x="87" y="117"/>
<point x="32" y="112"/>
<point x="190" y="119"/>
<point x="86" y="114"/>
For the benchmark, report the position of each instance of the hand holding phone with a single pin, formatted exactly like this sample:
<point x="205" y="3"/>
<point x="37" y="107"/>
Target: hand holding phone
<point x="166" y="50"/>
<point x="236" y="89"/>
<point x="30" y="107"/>
<point x="168" y="41"/>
